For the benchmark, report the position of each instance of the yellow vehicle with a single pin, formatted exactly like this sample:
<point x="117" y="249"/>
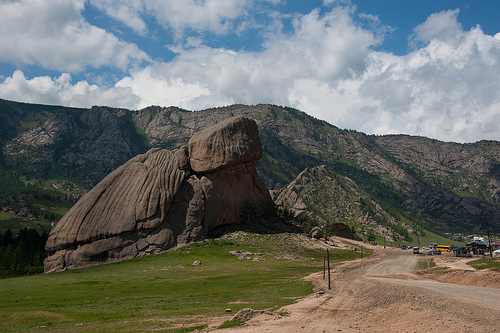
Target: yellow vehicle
<point x="443" y="248"/>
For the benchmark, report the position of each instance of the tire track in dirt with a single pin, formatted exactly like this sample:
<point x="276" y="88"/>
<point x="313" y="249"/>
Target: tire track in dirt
<point x="383" y="293"/>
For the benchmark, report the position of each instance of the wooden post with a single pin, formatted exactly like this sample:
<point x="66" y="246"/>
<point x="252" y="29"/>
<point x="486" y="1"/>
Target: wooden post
<point x="328" y="259"/>
<point x="324" y="265"/>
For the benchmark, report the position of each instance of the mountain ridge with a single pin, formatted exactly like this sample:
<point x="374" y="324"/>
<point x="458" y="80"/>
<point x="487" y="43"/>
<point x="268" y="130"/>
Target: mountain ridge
<point x="445" y="185"/>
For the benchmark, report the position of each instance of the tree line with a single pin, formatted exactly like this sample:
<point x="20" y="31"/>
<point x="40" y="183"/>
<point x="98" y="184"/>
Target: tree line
<point x="22" y="254"/>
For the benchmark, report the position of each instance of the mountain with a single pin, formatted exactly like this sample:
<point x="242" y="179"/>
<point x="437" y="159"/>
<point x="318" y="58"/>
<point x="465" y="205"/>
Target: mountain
<point x="443" y="186"/>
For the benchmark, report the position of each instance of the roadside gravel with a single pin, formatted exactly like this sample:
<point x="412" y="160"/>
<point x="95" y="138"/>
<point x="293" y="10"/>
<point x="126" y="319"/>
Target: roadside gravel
<point x="383" y="293"/>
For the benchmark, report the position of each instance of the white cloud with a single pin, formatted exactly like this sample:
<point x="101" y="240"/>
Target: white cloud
<point x="126" y="11"/>
<point x="215" y="16"/>
<point x="54" y="35"/>
<point x="438" y="26"/>
<point x="326" y="47"/>
<point x="60" y="91"/>
<point x="447" y="88"/>
<point x="161" y="90"/>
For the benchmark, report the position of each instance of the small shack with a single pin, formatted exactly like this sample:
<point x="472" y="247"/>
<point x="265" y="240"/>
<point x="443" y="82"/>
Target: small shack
<point x="462" y="252"/>
<point x="496" y="246"/>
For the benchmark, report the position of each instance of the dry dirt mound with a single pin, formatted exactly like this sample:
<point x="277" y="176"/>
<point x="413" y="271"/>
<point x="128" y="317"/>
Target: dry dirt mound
<point x="484" y="278"/>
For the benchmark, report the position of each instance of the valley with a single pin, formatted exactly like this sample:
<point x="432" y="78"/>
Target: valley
<point x="174" y="234"/>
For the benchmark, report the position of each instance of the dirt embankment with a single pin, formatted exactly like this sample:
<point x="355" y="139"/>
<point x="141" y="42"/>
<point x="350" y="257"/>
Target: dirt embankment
<point x="387" y="293"/>
<point x="458" y="272"/>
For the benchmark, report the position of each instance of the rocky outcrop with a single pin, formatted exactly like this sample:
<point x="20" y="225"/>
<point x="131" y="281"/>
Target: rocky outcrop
<point x="342" y="230"/>
<point x="248" y="313"/>
<point x="323" y="195"/>
<point x="208" y="149"/>
<point x="163" y="198"/>
<point x="334" y="229"/>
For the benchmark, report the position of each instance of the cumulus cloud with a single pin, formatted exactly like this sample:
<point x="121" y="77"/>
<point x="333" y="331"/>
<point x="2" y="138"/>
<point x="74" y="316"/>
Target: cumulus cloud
<point x="447" y="88"/>
<point x="60" y="91"/>
<point x="215" y="16"/>
<point x="53" y="34"/>
<point x="325" y="47"/>
<point x="126" y="11"/>
<point x="439" y="26"/>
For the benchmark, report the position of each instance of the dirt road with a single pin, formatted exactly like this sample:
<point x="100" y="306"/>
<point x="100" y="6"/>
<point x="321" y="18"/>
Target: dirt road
<point x="383" y="294"/>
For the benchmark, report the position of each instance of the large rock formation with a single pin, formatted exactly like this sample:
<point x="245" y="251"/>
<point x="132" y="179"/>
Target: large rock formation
<point x="163" y="198"/>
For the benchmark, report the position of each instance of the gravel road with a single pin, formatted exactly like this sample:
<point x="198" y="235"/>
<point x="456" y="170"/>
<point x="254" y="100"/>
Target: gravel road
<point x="383" y="293"/>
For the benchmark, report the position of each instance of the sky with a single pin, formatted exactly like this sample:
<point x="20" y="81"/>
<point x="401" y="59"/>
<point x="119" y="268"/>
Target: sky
<point x="418" y="67"/>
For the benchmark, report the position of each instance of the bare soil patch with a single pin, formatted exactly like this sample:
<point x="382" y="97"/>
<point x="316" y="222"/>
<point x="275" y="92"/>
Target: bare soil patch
<point x="455" y="270"/>
<point x="363" y="300"/>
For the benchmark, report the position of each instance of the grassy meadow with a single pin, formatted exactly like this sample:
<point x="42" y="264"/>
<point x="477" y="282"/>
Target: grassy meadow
<point x="166" y="292"/>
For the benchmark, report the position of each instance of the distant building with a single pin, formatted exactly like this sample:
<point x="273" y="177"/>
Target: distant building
<point x="479" y="245"/>
<point x="462" y="252"/>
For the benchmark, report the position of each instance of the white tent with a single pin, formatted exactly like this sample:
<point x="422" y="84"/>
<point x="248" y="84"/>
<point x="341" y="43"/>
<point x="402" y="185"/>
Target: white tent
<point x="496" y="254"/>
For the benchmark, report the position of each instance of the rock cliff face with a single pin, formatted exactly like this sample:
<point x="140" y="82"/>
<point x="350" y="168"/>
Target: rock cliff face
<point x="163" y="198"/>
<point x="82" y="144"/>
<point x="336" y="198"/>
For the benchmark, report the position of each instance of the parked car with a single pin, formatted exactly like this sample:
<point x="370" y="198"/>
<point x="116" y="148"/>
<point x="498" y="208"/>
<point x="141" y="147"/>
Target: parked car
<point x="436" y="252"/>
<point x="403" y="247"/>
<point x="425" y="248"/>
<point x="429" y="253"/>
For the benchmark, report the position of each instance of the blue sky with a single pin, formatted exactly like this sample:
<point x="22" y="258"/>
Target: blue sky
<point x="426" y="67"/>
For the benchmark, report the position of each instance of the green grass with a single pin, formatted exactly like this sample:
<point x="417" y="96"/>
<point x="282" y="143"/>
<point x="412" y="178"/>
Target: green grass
<point x="5" y="216"/>
<point x="232" y="323"/>
<point x="431" y="237"/>
<point x="164" y="291"/>
<point x="444" y="268"/>
<point x="492" y="263"/>
<point x="57" y="209"/>
<point x="428" y="263"/>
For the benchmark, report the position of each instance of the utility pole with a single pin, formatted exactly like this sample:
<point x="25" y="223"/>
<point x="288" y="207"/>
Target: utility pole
<point x="418" y="241"/>
<point x="489" y="244"/>
<point x="328" y="259"/>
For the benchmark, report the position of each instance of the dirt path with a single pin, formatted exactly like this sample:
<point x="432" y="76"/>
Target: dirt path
<point x="384" y="294"/>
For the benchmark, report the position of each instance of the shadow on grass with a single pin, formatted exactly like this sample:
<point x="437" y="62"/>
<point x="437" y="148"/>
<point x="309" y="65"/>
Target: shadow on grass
<point x="264" y="225"/>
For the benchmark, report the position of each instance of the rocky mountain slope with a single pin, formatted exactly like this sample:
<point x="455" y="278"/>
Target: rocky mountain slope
<point x="447" y="186"/>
